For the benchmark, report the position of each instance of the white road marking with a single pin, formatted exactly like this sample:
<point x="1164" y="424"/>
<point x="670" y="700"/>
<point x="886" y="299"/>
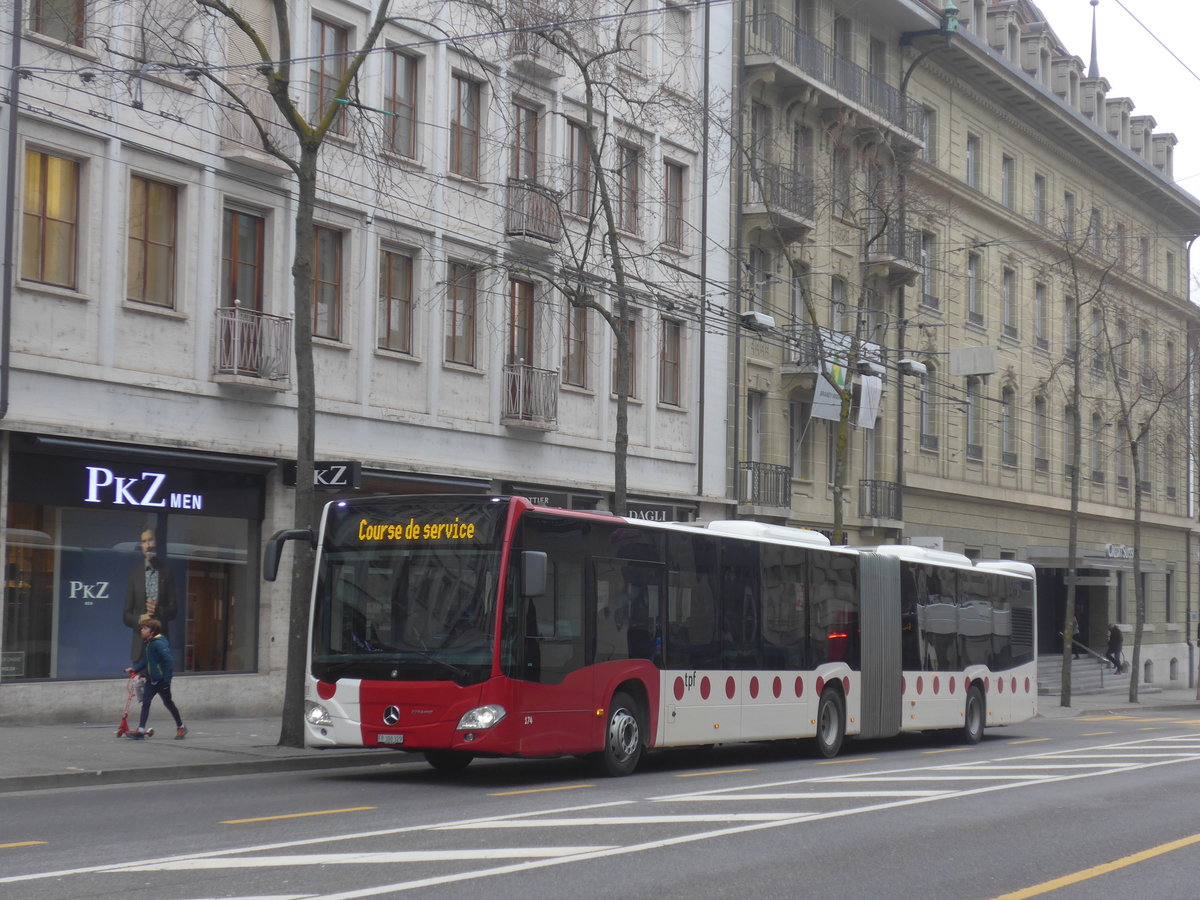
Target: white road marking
<point x="799" y="795"/>
<point x="346" y="859"/>
<point x="632" y="820"/>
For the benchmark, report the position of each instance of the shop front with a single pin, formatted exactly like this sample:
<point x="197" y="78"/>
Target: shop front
<point x="98" y="535"/>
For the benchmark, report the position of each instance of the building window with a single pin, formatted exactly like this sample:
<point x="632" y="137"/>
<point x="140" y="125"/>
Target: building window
<point x="465" y="120"/>
<point x="1097" y="340"/>
<point x="1041" y="316"/>
<point x="1095" y="227"/>
<point x="326" y="67"/>
<point x="526" y="124"/>
<point x="629" y="328"/>
<point x="1070" y="327"/>
<point x="579" y="170"/>
<point x="1170" y="470"/>
<point x="927" y="410"/>
<point x="327" y="283"/>
<point x="1146" y="367"/>
<point x="1144" y="258"/>
<point x="1008" y="181"/>
<point x="670" y="364"/>
<point x="51" y="219"/>
<point x="1097" y="448"/>
<point x="395" y="301"/>
<point x="62" y="20"/>
<point x="242" y="260"/>
<point x="929" y="295"/>
<point x="755" y="401"/>
<point x="801" y="440"/>
<point x="840" y="316"/>
<point x="1170" y="272"/>
<point x="974" y="159"/>
<point x="841" y="182"/>
<point x="675" y="204"/>
<point x="974" y="418"/>
<point x="150" y="260"/>
<point x="1008" y="288"/>
<point x="1121" y="239"/>
<point x="974" y="298"/>
<point x="1008" y="427"/>
<point x="522" y="328"/>
<point x="628" y="187"/>
<point x="760" y="280"/>
<point x="1068" y="221"/>
<point x="1122" y="350"/>
<point x="1041" y="431"/>
<point x="1069" y="437"/>
<point x="1122" y="457"/>
<point x="1039" y="199"/>
<point x="461" y="298"/>
<point x="927" y="131"/>
<point x="401" y="104"/>
<point x="575" y="347"/>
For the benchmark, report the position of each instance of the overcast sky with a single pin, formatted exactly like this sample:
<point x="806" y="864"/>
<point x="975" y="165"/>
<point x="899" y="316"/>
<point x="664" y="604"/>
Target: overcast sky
<point x="1135" y="40"/>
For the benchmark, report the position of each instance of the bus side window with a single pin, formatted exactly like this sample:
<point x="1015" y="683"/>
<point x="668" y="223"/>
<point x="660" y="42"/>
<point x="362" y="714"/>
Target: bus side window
<point x="691" y="639"/>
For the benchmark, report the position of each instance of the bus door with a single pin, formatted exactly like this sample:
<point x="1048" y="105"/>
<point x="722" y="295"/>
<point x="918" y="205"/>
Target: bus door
<point x="545" y="648"/>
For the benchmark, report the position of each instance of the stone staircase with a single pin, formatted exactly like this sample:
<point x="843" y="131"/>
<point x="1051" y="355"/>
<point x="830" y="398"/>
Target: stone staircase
<point x="1089" y="675"/>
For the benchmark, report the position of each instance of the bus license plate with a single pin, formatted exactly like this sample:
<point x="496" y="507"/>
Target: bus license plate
<point x="391" y="739"/>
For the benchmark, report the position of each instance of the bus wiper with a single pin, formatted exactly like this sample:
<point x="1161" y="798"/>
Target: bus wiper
<point x="458" y="671"/>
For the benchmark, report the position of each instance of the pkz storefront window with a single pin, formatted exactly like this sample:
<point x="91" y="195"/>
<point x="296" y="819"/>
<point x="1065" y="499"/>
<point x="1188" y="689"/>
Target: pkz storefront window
<point x="94" y="545"/>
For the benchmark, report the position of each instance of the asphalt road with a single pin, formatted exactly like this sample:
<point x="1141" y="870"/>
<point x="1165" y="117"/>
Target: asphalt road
<point x="1105" y="803"/>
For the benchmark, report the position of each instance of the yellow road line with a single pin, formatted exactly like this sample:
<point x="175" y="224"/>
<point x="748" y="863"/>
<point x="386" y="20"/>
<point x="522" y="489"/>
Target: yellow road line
<point x="713" y="772"/>
<point x="1103" y="869"/>
<point x="21" y="844"/>
<point x="947" y="750"/>
<point x="846" y="759"/>
<point x="303" y="815"/>
<point x="1098" y="734"/>
<point x="1028" y="741"/>
<point x="565" y="787"/>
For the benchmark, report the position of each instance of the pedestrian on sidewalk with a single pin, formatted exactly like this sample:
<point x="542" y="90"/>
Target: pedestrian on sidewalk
<point x="1113" y="653"/>
<point x="159" y="666"/>
<point x="1075" y="636"/>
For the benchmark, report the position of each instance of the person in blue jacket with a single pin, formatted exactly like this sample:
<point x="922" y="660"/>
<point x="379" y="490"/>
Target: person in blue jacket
<point x="159" y="665"/>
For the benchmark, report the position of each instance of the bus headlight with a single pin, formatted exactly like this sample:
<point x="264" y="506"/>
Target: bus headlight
<point x="481" y="718"/>
<point x="316" y="714"/>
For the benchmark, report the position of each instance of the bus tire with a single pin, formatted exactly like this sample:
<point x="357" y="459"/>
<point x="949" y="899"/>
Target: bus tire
<point x="448" y="762"/>
<point x="623" y="742"/>
<point x="974" y="716"/>
<point x="831" y="723"/>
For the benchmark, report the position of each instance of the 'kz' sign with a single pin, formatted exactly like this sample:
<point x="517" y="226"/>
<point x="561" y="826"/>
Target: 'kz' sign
<point x="329" y="476"/>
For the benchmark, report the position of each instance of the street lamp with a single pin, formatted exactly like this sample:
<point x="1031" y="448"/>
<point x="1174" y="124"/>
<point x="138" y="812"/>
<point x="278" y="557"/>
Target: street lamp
<point x="947" y="28"/>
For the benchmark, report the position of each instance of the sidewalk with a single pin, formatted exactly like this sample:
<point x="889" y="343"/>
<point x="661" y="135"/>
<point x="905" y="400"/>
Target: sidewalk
<point x="38" y="757"/>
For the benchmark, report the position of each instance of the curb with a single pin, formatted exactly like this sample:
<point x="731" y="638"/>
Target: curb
<point x="89" y="778"/>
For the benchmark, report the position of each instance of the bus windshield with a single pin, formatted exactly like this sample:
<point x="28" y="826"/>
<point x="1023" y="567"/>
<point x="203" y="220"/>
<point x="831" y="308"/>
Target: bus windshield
<point x="407" y="591"/>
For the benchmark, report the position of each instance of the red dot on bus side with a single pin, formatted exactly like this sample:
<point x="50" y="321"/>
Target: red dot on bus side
<point x="820" y="685"/>
<point x="920" y="684"/>
<point x="730" y="687"/>
<point x="678" y="688"/>
<point x="1027" y="685"/>
<point x="1014" y="685"/>
<point x="951" y="684"/>
<point x="846" y="685"/>
<point x="1000" y="685"/>
<point x="799" y="686"/>
<point x="326" y="690"/>
<point x="705" y="688"/>
<point x="754" y="688"/>
<point x="777" y="687"/>
<point x="937" y="684"/>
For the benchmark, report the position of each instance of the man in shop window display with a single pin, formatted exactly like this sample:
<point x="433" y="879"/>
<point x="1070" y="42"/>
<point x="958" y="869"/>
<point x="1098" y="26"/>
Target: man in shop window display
<point x="151" y="594"/>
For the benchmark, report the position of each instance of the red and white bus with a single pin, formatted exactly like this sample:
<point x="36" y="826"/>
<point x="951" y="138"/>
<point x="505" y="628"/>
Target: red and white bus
<point x="465" y="626"/>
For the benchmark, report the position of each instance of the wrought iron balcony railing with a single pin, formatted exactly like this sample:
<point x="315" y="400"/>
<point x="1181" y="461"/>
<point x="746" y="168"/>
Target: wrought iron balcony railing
<point x="530" y="395"/>
<point x="252" y="344"/>
<point x="782" y="190"/>
<point x="533" y="212"/>
<point x="770" y="33"/>
<point x="766" y="484"/>
<point x="879" y="499"/>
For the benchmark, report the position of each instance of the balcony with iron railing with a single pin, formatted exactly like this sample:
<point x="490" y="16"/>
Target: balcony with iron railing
<point x="530" y="397"/>
<point x="880" y="499"/>
<point x="253" y="348"/>
<point x="800" y="58"/>
<point x="529" y="51"/>
<point x="778" y="199"/>
<point x="895" y="250"/>
<point x="765" y="484"/>
<point x="240" y="138"/>
<point x="533" y="213"/>
<point x="807" y="345"/>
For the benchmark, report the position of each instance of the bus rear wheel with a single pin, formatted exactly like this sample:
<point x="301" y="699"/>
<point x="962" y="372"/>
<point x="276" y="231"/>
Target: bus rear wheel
<point x="448" y="761"/>
<point x="831" y="723"/>
<point x="973" y="716"/>
<point x="622" y="737"/>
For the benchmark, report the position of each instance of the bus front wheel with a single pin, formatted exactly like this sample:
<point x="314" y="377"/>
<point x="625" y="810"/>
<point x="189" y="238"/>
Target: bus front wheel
<point x="831" y="723"/>
<point x="448" y="761"/>
<point x="622" y="737"/>
<point x="973" y="716"/>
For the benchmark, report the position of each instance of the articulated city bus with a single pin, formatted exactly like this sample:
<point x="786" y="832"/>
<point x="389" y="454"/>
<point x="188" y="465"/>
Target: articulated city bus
<point x="467" y="626"/>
